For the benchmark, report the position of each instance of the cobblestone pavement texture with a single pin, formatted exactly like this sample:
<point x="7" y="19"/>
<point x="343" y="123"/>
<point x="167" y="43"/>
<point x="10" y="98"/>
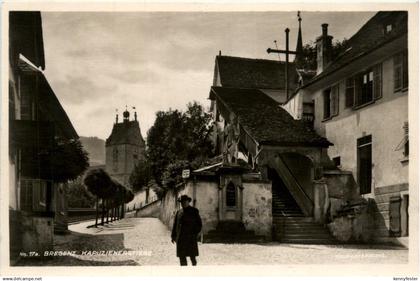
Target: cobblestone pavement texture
<point x="147" y="242"/>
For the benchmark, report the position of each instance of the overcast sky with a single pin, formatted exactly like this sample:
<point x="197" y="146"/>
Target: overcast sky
<point x="98" y="62"/>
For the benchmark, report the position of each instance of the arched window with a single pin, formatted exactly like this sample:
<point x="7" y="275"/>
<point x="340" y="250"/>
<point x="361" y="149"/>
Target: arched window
<point x="231" y="195"/>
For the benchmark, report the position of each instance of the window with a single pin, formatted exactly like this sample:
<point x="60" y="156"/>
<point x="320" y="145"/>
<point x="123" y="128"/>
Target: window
<point x="350" y="90"/>
<point x="404" y="143"/>
<point x="337" y="161"/>
<point x="387" y="28"/>
<point x="26" y="195"/>
<point x="327" y="102"/>
<point x="401" y="71"/>
<point x="34" y="195"/>
<point x="308" y="114"/>
<point x="331" y="102"/>
<point x="364" y="164"/>
<point x="364" y="87"/>
<point x="231" y="195"/>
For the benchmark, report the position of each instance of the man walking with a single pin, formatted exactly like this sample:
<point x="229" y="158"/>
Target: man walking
<point x="187" y="225"/>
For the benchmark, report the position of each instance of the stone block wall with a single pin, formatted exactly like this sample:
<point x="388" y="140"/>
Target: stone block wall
<point x="383" y="197"/>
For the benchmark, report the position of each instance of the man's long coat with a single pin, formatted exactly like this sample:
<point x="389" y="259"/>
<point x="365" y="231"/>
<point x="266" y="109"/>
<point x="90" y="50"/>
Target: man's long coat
<point x="187" y="225"/>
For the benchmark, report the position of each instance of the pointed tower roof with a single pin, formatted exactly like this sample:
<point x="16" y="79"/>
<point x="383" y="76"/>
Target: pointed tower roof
<point x="299" y="45"/>
<point x="126" y="132"/>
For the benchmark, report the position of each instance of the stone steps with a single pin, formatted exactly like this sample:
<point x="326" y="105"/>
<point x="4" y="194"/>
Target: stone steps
<point x="291" y="226"/>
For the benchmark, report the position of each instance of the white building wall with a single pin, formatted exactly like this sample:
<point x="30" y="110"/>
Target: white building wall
<point x="384" y="120"/>
<point x="385" y="124"/>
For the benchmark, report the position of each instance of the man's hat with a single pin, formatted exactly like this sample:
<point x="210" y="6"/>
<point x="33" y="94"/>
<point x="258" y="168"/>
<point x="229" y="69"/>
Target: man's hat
<point x="184" y="198"/>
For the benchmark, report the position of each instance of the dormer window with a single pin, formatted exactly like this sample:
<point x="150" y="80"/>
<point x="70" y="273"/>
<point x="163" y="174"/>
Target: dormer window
<point x="388" y="28"/>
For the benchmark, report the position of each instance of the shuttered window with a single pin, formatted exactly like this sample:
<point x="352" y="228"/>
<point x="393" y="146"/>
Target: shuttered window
<point x="406" y="143"/>
<point x="327" y="101"/>
<point x="401" y="71"/>
<point x="367" y="86"/>
<point x="331" y="101"/>
<point x="350" y="91"/>
<point x="334" y="100"/>
<point x="33" y="195"/>
<point x="377" y="81"/>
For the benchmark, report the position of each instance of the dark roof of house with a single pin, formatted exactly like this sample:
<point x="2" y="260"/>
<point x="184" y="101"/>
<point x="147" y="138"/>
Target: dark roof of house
<point x="264" y="120"/>
<point x="239" y="72"/>
<point x="127" y="132"/>
<point x="370" y="36"/>
<point x="25" y="37"/>
<point x="49" y="105"/>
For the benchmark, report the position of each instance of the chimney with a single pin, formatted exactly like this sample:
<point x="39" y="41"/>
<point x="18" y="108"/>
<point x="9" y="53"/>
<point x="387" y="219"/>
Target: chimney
<point x="323" y="49"/>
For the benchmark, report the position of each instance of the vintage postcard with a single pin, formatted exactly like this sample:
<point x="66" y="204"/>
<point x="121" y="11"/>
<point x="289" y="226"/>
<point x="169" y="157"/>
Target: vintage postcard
<point x="209" y="139"/>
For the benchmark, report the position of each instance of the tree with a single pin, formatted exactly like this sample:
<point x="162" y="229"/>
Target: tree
<point x="99" y="183"/>
<point x="140" y="176"/>
<point x="178" y="140"/>
<point x="78" y="196"/>
<point x="68" y="160"/>
<point x="309" y="53"/>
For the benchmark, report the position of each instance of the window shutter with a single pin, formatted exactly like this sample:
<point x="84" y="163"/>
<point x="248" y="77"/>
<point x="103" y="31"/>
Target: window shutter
<point x="397" y="72"/>
<point x="327" y="103"/>
<point x="405" y="70"/>
<point x="334" y="100"/>
<point x="377" y="82"/>
<point x="350" y="90"/>
<point x="358" y="81"/>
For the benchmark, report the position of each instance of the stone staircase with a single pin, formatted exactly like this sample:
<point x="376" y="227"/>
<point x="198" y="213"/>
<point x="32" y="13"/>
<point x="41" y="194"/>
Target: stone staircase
<point x="291" y="226"/>
<point x="231" y="232"/>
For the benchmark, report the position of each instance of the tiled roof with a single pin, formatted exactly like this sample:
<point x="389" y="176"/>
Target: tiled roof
<point x="368" y="38"/>
<point x="264" y="120"/>
<point x="239" y="72"/>
<point x="127" y="132"/>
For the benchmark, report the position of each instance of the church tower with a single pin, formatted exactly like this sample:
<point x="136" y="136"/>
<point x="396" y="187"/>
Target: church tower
<point x="125" y="147"/>
<point x="299" y="46"/>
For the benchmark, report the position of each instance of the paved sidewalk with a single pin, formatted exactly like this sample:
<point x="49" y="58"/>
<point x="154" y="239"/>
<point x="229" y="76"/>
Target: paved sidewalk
<point x="146" y="241"/>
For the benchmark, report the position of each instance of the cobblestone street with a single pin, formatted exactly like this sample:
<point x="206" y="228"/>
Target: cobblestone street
<point x="147" y="242"/>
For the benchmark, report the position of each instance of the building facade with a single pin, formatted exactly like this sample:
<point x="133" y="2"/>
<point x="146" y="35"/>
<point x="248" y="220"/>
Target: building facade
<point x="361" y="105"/>
<point x="36" y="121"/>
<point x="328" y="163"/>
<point x="124" y="148"/>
